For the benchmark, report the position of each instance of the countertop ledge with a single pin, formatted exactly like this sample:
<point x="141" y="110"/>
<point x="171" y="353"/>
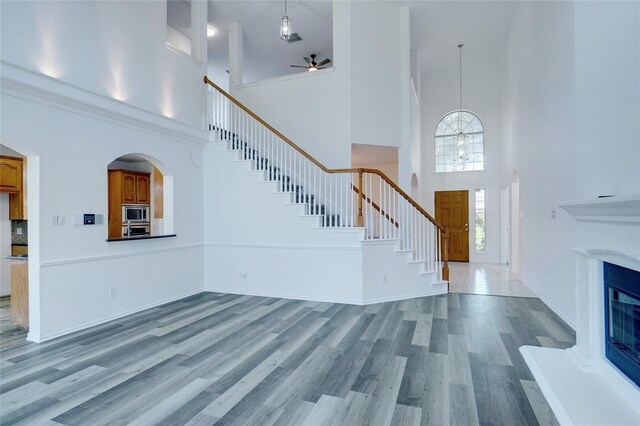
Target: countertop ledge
<point x="23" y="258"/>
<point x="153" y="237"/>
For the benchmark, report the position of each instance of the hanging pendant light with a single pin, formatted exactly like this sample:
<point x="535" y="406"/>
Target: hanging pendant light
<point x="285" y="24"/>
<point x="461" y="138"/>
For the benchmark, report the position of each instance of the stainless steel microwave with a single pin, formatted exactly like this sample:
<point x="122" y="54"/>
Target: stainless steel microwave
<point x="135" y="213"/>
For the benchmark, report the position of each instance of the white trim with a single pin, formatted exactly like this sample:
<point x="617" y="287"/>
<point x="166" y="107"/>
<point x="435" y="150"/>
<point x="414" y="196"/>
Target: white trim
<point x="611" y="254"/>
<point x="551" y="397"/>
<point x="617" y="209"/>
<point x="117" y="255"/>
<point x="282" y="246"/>
<point x="274" y="80"/>
<point x="40" y="338"/>
<point x="31" y="86"/>
<point x="281" y="296"/>
<point x="433" y="292"/>
<point x="177" y="50"/>
<point x="385" y="241"/>
<point x="554" y="309"/>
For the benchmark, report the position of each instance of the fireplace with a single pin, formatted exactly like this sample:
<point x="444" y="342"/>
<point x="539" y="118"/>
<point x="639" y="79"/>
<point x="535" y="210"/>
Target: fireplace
<point x="622" y="319"/>
<point x="593" y="382"/>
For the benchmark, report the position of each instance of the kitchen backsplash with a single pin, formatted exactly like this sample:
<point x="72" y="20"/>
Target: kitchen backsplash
<point x="18" y="232"/>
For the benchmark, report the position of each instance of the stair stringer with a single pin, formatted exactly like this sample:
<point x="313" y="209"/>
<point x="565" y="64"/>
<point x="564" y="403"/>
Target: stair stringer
<point x="392" y="274"/>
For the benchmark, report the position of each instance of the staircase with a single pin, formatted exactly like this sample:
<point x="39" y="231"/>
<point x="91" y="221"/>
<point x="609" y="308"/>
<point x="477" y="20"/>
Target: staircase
<point x="282" y="224"/>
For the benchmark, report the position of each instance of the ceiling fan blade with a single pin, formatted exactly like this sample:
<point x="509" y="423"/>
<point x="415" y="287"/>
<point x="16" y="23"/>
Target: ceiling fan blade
<point x="298" y="66"/>
<point x="325" y="62"/>
<point x="308" y="60"/>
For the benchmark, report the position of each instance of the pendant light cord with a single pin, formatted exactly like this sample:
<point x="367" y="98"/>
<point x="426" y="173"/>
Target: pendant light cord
<point x="460" y="110"/>
<point x="285" y="7"/>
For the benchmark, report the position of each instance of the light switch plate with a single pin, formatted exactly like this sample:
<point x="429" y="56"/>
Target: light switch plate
<point x="53" y="220"/>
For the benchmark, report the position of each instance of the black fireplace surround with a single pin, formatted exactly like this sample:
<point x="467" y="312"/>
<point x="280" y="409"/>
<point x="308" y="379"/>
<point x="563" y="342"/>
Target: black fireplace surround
<point x="622" y="319"/>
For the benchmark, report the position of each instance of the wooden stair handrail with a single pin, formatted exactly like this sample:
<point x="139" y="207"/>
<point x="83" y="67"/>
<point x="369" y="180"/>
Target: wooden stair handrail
<point x="375" y="206"/>
<point x="322" y="166"/>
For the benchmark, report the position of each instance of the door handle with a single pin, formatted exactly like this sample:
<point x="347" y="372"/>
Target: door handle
<point x="466" y="227"/>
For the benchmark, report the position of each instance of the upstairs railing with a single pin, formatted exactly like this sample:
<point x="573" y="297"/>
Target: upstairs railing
<point x="342" y="198"/>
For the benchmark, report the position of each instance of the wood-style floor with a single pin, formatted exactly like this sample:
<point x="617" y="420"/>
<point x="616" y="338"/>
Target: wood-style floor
<point x="229" y="359"/>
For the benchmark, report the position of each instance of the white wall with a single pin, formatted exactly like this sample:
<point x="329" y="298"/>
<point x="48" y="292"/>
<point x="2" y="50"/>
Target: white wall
<point x="607" y="46"/>
<point x="541" y="95"/>
<point x="573" y="105"/>
<point x="5" y="245"/>
<point x="115" y="49"/>
<point x="119" y="53"/>
<point x="440" y="95"/>
<point x="376" y="73"/>
<point x="308" y="109"/>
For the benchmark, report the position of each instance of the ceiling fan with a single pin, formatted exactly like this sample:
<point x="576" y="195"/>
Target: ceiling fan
<point x="312" y="65"/>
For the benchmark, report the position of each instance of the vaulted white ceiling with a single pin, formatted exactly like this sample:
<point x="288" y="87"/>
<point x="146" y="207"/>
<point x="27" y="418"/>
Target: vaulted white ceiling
<point x="436" y="28"/>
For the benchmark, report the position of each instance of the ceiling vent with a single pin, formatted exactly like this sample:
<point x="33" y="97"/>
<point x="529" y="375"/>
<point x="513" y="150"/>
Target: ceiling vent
<point x="294" y="37"/>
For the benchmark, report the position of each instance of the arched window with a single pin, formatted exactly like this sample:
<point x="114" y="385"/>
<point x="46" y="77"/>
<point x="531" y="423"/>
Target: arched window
<point x="459" y="143"/>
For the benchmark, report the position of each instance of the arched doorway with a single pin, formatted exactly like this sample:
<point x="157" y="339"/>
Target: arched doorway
<point x="140" y="197"/>
<point x="20" y="233"/>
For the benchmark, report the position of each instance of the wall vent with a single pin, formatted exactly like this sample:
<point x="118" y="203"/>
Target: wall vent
<point x="294" y="37"/>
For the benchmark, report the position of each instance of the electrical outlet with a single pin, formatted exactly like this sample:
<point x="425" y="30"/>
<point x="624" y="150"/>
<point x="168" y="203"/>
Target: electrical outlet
<point x="572" y="296"/>
<point x="243" y="274"/>
<point x="553" y="214"/>
<point x="19" y="231"/>
<point x="53" y="220"/>
<point x="112" y="292"/>
<point x="384" y="278"/>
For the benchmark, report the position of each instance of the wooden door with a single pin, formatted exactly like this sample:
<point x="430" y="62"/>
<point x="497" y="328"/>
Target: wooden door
<point x="128" y="188"/>
<point x="143" y="189"/>
<point x="452" y="209"/>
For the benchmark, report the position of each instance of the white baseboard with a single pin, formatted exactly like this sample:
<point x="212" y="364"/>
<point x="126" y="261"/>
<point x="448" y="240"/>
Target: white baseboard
<point x="557" y="312"/>
<point x="431" y="292"/>
<point x="37" y="338"/>
<point x="283" y="296"/>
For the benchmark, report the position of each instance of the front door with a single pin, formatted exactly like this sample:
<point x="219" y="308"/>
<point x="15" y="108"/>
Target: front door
<point x="452" y="209"/>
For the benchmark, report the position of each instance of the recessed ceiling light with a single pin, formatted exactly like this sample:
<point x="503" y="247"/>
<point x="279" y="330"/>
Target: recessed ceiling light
<point x="211" y="31"/>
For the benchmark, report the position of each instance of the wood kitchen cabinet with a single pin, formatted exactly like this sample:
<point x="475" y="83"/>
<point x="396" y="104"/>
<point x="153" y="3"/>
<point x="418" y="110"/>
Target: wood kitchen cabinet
<point x="126" y="187"/>
<point x="134" y="187"/>
<point x="20" y="293"/>
<point x="12" y="178"/>
<point x="19" y="250"/>
<point x="143" y="189"/>
<point x="10" y="174"/>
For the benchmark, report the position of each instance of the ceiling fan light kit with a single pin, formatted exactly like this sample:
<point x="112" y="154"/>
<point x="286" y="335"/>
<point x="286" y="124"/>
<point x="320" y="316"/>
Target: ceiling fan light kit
<point x="312" y="65"/>
<point x="285" y="25"/>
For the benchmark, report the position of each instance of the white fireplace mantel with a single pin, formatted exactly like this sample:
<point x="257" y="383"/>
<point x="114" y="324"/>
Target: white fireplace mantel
<point x="613" y="209"/>
<point x="580" y="384"/>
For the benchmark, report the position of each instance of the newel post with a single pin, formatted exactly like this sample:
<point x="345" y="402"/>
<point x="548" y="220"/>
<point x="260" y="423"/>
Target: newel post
<point x="360" y="218"/>
<point x="445" y="255"/>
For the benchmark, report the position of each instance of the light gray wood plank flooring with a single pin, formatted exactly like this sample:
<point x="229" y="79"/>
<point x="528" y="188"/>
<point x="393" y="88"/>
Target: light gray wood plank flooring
<point x="229" y="359"/>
